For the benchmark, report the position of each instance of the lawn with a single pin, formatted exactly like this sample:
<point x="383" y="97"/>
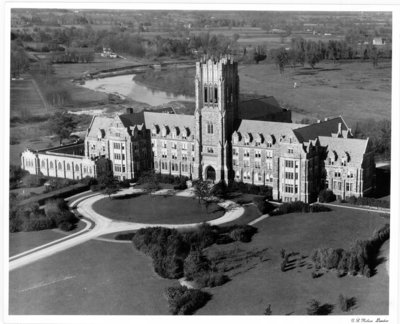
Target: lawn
<point x="24" y="241"/>
<point x="95" y="278"/>
<point x="157" y="209"/>
<point x="252" y="289"/>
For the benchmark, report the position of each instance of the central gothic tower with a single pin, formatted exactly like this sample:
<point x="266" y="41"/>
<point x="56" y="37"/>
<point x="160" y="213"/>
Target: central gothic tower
<point x="217" y="91"/>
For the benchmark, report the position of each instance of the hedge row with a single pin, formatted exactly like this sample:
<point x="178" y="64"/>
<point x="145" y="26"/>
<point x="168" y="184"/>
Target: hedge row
<point x="263" y="206"/>
<point x="299" y="207"/>
<point x="360" y="259"/>
<point x="366" y="201"/>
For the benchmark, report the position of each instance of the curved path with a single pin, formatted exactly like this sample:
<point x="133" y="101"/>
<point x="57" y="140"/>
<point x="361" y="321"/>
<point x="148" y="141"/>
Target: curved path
<point x="105" y="225"/>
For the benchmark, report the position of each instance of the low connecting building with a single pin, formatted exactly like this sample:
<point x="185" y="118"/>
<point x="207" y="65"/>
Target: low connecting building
<point x="227" y="139"/>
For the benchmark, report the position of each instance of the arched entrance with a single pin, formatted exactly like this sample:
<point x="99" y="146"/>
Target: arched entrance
<point x="210" y="173"/>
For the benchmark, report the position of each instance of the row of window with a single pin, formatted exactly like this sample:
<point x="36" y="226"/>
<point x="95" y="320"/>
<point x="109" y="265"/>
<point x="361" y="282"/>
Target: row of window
<point x="118" y="146"/>
<point x="247" y="141"/>
<point x="210" y="94"/>
<point x="337" y="185"/>
<point x="258" y="177"/>
<point x="119" y="168"/>
<point x="68" y="167"/>
<point x="257" y="153"/>
<point x="173" y="145"/>
<point x="174" y="166"/>
<point x="29" y="163"/>
<point x="257" y="164"/>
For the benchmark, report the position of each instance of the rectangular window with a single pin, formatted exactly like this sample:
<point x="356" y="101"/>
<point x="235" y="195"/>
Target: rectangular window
<point x="289" y="175"/>
<point x="184" y="146"/>
<point x="235" y="151"/>
<point x="117" y="146"/>
<point x="268" y="165"/>
<point x="257" y="164"/>
<point x="246" y="163"/>
<point x="117" y="156"/>
<point x="205" y="94"/>
<point x="117" y="168"/>
<point x="235" y="162"/>
<point x="290" y="151"/>
<point x="246" y="153"/>
<point x="257" y="153"/>
<point x="289" y="188"/>
<point x="289" y="164"/>
<point x="269" y="154"/>
<point x="215" y="95"/>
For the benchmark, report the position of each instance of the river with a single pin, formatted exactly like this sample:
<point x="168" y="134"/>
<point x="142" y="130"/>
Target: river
<point x="126" y="87"/>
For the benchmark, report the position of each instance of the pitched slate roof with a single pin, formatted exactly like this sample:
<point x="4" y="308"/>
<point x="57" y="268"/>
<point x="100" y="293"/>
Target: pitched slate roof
<point x="267" y="128"/>
<point x="251" y="107"/>
<point x="355" y="147"/>
<point x="98" y="123"/>
<point x="132" y="119"/>
<point x="171" y="120"/>
<point x="323" y="128"/>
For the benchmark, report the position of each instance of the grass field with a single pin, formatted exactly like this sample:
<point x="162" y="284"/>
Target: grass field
<point x="355" y="90"/>
<point x="93" y="278"/>
<point x="157" y="210"/>
<point x="25" y="98"/>
<point x="250" y="292"/>
<point x="24" y="241"/>
<point x="124" y="282"/>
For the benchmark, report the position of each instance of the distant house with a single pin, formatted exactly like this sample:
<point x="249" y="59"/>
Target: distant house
<point x="378" y="41"/>
<point x="107" y="52"/>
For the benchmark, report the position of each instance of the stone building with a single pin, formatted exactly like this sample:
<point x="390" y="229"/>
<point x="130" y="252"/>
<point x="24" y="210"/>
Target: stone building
<point x="248" y="139"/>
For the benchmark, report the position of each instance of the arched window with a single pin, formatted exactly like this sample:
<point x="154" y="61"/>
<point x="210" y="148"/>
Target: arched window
<point x="51" y="165"/>
<point x="215" y="94"/>
<point x="210" y="128"/>
<point x="77" y="167"/>
<point x="205" y="93"/>
<point x="68" y="167"/>
<point x="60" y="165"/>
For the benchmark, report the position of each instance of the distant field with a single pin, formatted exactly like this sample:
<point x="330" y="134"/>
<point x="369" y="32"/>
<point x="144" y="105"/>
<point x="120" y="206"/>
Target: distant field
<point x="354" y="90"/>
<point x="25" y="99"/>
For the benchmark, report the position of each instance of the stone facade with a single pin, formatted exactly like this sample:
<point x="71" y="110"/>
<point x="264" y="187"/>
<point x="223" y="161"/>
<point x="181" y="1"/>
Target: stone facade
<point x="215" y="143"/>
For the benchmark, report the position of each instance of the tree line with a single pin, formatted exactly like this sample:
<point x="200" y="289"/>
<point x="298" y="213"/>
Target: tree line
<point x="310" y="52"/>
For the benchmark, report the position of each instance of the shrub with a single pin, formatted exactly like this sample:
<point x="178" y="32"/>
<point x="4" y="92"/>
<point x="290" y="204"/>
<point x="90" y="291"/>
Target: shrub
<point x="167" y="248"/>
<point x="184" y="301"/>
<point x="196" y="264"/>
<point x="345" y="303"/>
<point x="224" y="239"/>
<point x="33" y="180"/>
<point x="293" y="207"/>
<point x="263" y="206"/>
<point x="283" y="253"/>
<point x="97" y="187"/>
<point x="268" y="310"/>
<point x="220" y="190"/>
<point x="124" y="184"/>
<point x="317" y="208"/>
<point x="367" y="201"/>
<point x="38" y="224"/>
<point x="314" y="307"/>
<point x="210" y="279"/>
<point x="326" y="196"/>
<point x="242" y="233"/>
<point x="66" y="226"/>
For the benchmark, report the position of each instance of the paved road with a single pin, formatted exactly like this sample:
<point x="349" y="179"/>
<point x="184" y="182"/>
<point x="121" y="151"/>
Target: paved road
<point x="104" y="226"/>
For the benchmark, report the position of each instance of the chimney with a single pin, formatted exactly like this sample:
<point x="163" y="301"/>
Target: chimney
<point x="129" y="110"/>
<point x="340" y="128"/>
